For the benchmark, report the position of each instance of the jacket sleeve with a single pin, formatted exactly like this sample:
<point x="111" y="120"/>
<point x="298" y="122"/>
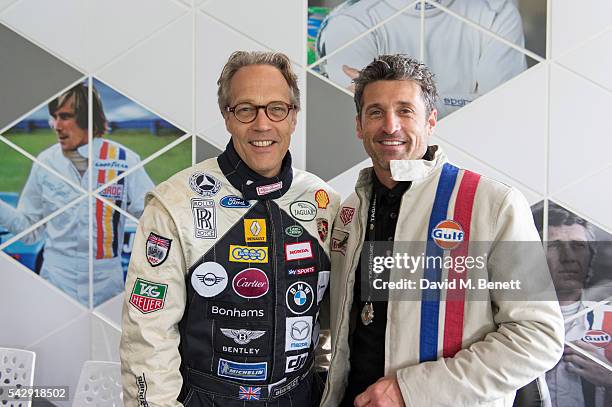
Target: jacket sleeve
<point x="139" y="183"/>
<point x="528" y="340"/>
<point x="29" y="210"/>
<point x="154" y="304"/>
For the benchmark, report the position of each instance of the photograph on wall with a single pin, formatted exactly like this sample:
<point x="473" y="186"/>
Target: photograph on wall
<point x="467" y="61"/>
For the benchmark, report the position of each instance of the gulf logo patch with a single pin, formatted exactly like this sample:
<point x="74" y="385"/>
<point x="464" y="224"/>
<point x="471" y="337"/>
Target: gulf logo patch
<point x="598" y="338"/>
<point x="447" y="234"/>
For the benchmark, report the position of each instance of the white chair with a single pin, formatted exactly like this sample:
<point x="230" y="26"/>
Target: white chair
<point x="16" y="369"/>
<point x="99" y="385"/>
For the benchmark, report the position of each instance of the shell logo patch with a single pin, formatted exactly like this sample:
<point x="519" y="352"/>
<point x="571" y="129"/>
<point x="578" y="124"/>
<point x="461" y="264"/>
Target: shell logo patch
<point x="598" y="338"/>
<point x="322" y="198"/>
<point x="447" y="234"/>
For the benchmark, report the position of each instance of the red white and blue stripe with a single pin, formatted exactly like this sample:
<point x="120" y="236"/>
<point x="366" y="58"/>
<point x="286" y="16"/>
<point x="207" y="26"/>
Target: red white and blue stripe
<point x="249" y="393"/>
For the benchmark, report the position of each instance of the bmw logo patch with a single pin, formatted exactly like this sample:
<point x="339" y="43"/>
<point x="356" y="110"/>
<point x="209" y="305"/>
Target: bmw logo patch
<point x="299" y="297"/>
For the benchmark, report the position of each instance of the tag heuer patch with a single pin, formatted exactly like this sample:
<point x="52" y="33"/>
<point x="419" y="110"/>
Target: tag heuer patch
<point x="158" y="248"/>
<point x="148" y="296"/>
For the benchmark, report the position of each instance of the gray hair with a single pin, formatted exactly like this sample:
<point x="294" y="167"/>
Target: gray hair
<point x="397" y="67"/>
<point x="240" y="59"/>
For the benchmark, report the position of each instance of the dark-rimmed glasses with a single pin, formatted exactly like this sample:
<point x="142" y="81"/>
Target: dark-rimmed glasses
<point x="247" y="112"/>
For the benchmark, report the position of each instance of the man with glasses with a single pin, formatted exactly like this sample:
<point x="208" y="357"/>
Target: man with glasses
<point x="229" y="266"/>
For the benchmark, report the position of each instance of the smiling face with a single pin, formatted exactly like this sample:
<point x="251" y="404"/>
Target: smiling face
<point x="261" y="144"/>
<point x="69" y="135"/>
<point x="394" y="124"/>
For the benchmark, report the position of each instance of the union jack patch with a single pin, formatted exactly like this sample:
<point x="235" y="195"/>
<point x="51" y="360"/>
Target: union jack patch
<point x="158" y="248"/>
<point x="249" y="393"/>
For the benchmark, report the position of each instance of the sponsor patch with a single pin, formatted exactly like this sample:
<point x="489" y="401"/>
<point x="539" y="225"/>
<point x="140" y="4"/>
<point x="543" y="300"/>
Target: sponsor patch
<point x="204" y="218"/>
<point x="303" y="210"/>
<point x="322" y="284"/>
<point x="294" y="231"/>
<point x="298" y="331"/>
<point x="148" y="296"/>
<point x="141" y="383"/>
<point x="204" y="184"/>
<point x="255" y="230"/>
<point x="114" y="192"/>
<point x="267" y="189"/>
<point x="249" y="393"/>
<point x="447" y="234"/>
<point x="158" y="248"/>
<point x="339" y="241"/>
<point x="242" y="342"/>
<point x="233" y="201"/>
<point x="298" y="251"/>
<point x="295" y="363"/>
<point x="242" y="371"/>
<point x="322" y="228"/>
<point x="597" y="338"/>
<point x="251" y="283"/>
<point x="246" y="254"/>
<point x="209" y="279"/>
<point x="226" y="311"/>
<point x="276" y="390"/>
<point x="322" y="198"/>
<point x="346" y="215"/>
<point x="300" y="271"/>
<point x="299" y="297"/>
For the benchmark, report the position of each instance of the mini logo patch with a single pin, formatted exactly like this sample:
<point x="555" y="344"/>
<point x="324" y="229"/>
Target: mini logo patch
<point x="255" y="230"/>
<point x="298" y="333"/>
<point x="300" y="271"/>
<point x="233" y="201"/>
<point x="322" y="228"/>
<point x="242" y="371"/>
<point x="209" y="279"/>
<point x="246" y="254"/>
<point x="322" y="198"/>
<point x="148" y="296"/>
<point x="303" y="210"/>
<point x="204" y="219"/>
<point x="294" y="231"/>
<point x="598" y="338"/>
<point x="295" y="363"/>
<point x="267" y="189"/>
<point x="298" y="251"/>
<point x="447" y="234"/>
<point x="158" y="248"/>
<point x="251" y="283"/>
<point x="249" y="393"/>
<point x="204" y="184"/>
<point x="242" y="336"/>
<point x="346" y="215"/>
<point x="299" y="297"/>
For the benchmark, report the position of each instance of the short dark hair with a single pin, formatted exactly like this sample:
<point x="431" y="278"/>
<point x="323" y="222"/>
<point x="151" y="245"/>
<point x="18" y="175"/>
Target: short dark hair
<point x="80" y="94"/>
<point x="397" y="67"/>
<point x="559" y="216"/>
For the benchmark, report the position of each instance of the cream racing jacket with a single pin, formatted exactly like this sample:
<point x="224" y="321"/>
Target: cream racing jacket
<point x="478" y="354"/>
<point x="224" y="286"/>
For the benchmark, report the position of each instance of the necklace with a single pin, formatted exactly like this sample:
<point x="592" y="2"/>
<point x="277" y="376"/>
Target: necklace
<point x="367" y="312"/>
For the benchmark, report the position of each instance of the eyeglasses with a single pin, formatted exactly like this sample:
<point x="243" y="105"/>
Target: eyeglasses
<point x="247" y="112"/>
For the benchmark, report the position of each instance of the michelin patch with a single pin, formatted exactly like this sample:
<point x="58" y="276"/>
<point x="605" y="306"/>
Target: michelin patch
<point x="158" y="248"/>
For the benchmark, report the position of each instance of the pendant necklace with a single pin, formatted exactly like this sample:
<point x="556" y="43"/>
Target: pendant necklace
<point x="367" y="312"/>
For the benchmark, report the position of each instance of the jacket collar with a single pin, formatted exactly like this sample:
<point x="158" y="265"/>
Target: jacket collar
<point x="251" y="184"/>
<point x="415" y="10"/>
<point x="408" y="170"/>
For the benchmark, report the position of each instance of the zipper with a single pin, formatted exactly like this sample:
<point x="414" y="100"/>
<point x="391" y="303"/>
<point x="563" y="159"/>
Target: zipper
<point x="353" y="267"/>
<point x="273" y="244"/>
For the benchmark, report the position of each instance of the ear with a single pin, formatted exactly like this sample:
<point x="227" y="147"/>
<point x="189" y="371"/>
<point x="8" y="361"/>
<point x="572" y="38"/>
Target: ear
<point x="226" y="118"/>
<point x="432" y="120"/>
<point x="358" y="128"/>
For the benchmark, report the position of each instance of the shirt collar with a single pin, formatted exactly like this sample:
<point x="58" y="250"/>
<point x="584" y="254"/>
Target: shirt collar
<point x="251" y="184"/>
